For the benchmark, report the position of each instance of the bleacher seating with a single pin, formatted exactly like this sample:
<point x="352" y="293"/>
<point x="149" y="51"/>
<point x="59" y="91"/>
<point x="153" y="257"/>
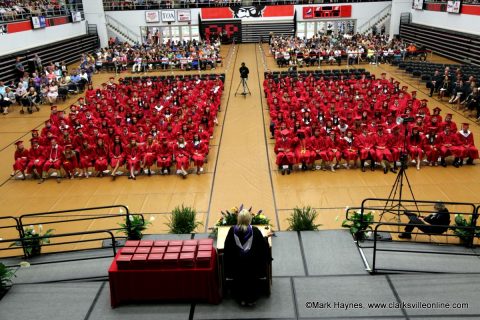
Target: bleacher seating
<point x="458" y="46"/>
<point x="425" y="70"/>
<point x="23" y="10"/>
<point x="67" y="50"/>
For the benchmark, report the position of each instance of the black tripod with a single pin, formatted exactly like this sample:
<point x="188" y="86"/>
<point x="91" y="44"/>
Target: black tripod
<point x="394" y="204"/>
<point x="246" y="89"/>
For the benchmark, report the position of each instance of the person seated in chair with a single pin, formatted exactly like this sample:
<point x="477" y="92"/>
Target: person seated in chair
<point x="246" y="255"/>
<point x="435" y="223"/>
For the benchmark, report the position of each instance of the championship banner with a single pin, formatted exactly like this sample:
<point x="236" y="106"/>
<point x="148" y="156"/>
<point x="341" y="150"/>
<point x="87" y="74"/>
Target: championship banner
<point x="319" y="12"/>
<point x="247" y="12"/>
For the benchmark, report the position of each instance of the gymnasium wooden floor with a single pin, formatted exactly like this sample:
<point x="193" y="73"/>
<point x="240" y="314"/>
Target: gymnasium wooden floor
<point x="241" y="167"/>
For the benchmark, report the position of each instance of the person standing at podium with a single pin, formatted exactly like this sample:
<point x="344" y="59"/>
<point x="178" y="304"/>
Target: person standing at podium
<point x="246" y="255"/>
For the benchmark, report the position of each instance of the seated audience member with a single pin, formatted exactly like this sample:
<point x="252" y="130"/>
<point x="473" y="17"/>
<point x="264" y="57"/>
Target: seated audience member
<point x="52" y="93"/>
<point x="435" y="223"/>
<point x="246" y="257"/>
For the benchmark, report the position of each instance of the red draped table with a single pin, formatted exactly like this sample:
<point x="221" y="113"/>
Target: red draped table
<point x="174" y="284"/>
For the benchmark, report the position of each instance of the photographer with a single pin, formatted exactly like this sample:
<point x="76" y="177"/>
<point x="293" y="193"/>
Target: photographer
<point x="435" y="223"/>
<point x="244" y="71"/>
<point x="244" y="77"/>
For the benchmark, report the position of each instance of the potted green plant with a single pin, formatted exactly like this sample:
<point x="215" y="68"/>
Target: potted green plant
<point x="134" y="226"/>
<point x="359" y="223"/>
<point x="6" y="275"/>
<point x="303" y="219"/>
<point x="32" y="240"/>
<point x="465" y="235"/>
<point x="183" y="220"/>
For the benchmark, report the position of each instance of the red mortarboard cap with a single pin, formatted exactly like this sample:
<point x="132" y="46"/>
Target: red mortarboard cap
<point x="414" y="92"/>
<point x="284" y="132"/>
<point x="34" y="140"/>
<point x="384" y="73"/>
<point x="380" y="127"/>
<point x="404" y="87"/>
<point x="363" y="125"/>
<point x="396" y="127"/>
<point x="81" y="98"/>
<point x="18" y="142"/>
<point x="437" y="109"/>
<point x="449" y="115"/>
<point x="424" y="100"/>
<point x="68" y="146"/>
<point x="34" y="131"/>
<point x="432" y="129"/>
<point x="419" y="117"/>
<point x="465" y="124"/>
<point x="53" y="108"/>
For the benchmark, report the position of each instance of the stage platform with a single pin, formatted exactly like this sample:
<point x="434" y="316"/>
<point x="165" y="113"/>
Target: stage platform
<point x="322" y="269"/>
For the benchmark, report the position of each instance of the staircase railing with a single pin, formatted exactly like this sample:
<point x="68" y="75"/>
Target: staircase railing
<point x="15" y="231"/>
<point x="385" y="12"/>
<point x="122" y="29"/>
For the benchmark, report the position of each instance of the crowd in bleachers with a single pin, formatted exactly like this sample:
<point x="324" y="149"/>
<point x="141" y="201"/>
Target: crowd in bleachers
<point x="335" y="48"/>
<point x="111" y="5"/>
<point x="152" y="54"/>
<point x="48" y="84"/>
<point x="351" y="117"/>
<point x="24" y="9"/>
<point x="139" y="122"/>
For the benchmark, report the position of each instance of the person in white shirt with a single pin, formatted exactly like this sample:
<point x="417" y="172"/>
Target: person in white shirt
<point x="137" y="66"/>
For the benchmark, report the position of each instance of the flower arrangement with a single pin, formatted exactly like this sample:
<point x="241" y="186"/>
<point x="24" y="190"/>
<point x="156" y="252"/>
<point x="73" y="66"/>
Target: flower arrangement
<point x="32" y="240"/>
<point x="229" y="218"/>
<point x="134" y="227"/>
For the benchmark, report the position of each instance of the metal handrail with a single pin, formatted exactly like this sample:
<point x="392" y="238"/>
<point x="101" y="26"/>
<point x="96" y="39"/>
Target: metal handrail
<point x="373" y="269"/>
<point x="132" y="36"/>
<point x="112" y="237"/>
<point x="374" y="20"/>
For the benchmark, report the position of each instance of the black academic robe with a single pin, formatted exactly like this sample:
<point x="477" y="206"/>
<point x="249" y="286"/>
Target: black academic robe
<point x="246" y="268"/>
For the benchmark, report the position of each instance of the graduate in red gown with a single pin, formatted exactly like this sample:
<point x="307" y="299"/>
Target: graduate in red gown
<point x="69" y="161"/>
<point x="365" y="143"/>
<point x="284" y="151"/>
<point x="36" y="158"/>
<point x="133" y="156"/>
<point x="449" y="146"/>
<point x="382" y="149"/>
<point x="21" y="159"/>
<point x="199" y="151"/>
<point x="101" y="157"/>
<point x="149" y="154"/>
<point x="53" y="154"/>
<point x="164" y="153"/>
<point x="349" y="149"/>
<point x="181" y="153"/>
<point x="117" y="155"/>
<point x="316" y="146"/>
<point x="331" y="153"/>
<point x="303" y="151"/>
<point x="87" y="156"/>
<point x="467" y="145"/>
<point x="415" y="146"/>
<point x="431" y="146"/>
